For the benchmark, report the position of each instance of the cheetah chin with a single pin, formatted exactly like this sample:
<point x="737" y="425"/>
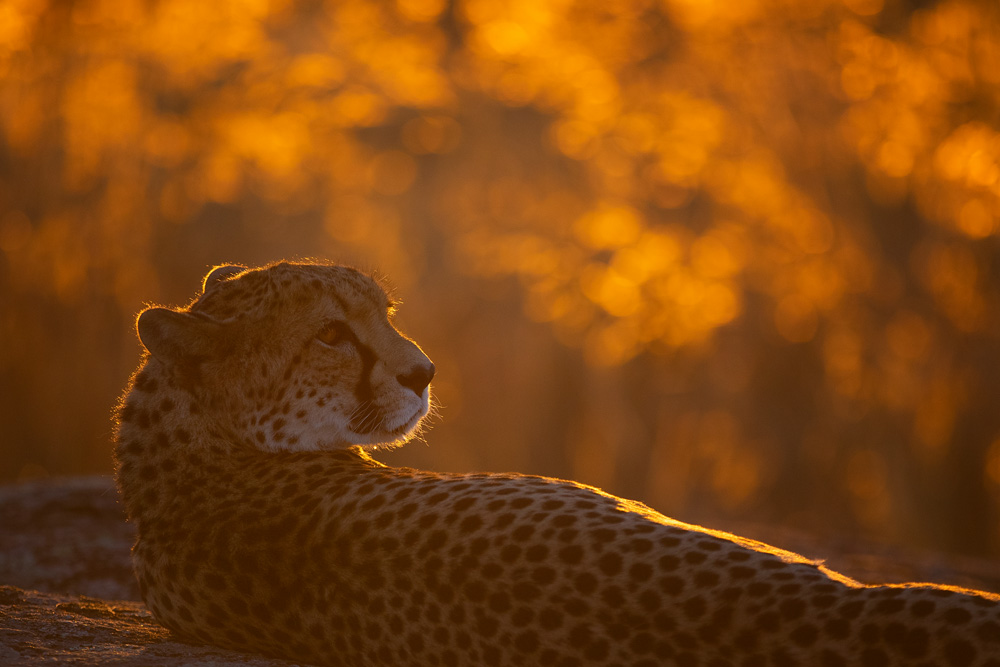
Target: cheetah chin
<point x="389" y="436"/>
<point x="264" y="526"/>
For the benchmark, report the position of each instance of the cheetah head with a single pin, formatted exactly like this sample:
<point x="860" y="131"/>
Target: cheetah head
<point x="294" y="357"/>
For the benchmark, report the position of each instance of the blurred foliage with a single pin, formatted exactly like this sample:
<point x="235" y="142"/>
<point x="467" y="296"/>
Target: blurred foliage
<point x="735" y="259"/>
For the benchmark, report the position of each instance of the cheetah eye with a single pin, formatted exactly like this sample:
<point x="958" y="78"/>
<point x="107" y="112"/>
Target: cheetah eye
<point x="333" y="333"/>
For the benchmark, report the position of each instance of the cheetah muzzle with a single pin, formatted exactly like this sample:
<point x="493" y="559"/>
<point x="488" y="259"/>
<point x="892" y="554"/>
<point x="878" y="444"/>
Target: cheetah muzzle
<point x="264" y="525"/>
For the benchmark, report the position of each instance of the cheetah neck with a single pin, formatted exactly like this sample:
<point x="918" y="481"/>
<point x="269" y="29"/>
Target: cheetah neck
<point x="175" y="452"/>
<point x="166" y="440"/>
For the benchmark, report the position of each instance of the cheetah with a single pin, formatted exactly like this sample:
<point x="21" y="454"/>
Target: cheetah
<point x="264" y="524"/>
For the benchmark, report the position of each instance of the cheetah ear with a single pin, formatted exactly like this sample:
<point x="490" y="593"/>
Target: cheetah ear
<point x="179" y="337"/>
<point x="218" y="274"/>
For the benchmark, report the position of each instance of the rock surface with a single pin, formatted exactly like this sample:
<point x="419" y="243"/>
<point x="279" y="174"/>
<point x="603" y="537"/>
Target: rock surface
<point x="68" y="540"/>
<point x="78" y="630"/>
<point x="66" y="535"/>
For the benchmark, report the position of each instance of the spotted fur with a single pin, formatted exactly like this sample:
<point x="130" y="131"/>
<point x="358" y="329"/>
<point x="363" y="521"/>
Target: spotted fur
<point x="262" y="526"/>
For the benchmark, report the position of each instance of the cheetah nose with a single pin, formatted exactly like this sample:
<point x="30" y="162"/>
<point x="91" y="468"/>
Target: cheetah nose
<point x="418" y="378"/>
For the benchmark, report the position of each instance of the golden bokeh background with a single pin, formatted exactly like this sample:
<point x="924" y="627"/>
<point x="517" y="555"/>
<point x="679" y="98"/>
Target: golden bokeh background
<point x="736" y="260"/>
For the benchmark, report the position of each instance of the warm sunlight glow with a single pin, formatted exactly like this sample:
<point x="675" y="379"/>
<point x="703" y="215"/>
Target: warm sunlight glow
<point x="779" y="218"/>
